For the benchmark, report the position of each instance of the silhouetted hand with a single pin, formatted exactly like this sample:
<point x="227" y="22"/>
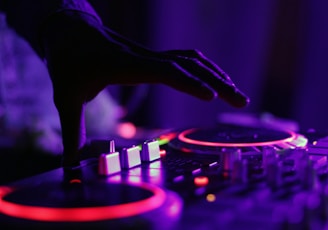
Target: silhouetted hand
<point x="84" y="57"/>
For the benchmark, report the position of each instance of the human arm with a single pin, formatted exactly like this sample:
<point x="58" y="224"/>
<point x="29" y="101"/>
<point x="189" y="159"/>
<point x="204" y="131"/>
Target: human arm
<point x="76" y="47"/>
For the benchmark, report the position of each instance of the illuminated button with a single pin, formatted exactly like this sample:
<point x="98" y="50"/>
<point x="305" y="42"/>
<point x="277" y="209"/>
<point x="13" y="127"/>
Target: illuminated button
<point x="162" y="152"/>
<point x="299" y="141"/>
<point x="109" y="164"/>
<point x="150" y="151"/>
<point x="201" y="181"/>
<point x="210" y="197"/>
<point x="213" y="164"/>
<point x="75" y="181"/>
<point x="196" y="171"/>
<point x="130" y="157"/>
<point x="178" y="179"/>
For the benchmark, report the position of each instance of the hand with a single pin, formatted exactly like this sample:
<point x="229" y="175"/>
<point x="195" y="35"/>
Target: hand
<point x="84" y="57"/>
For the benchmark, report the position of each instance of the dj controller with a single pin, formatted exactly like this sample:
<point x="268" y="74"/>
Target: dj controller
<point x="227" y="176"/>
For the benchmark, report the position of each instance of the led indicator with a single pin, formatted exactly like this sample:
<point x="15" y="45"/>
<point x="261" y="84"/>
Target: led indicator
<point x="201" y="181"/>
<point x="162" y="152"/>
<point x="210" y="197"/>
<point x="75" y="181"/>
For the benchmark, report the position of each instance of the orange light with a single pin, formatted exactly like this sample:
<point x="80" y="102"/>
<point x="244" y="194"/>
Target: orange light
<point x="201" y="181"/>
<point x="210" y="197"/>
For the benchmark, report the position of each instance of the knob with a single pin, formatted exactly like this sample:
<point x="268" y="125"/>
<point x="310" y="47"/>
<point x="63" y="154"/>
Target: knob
<point x="109" y="163"/>
<point x="130" y="157"/>
<point x="150" y="151"/>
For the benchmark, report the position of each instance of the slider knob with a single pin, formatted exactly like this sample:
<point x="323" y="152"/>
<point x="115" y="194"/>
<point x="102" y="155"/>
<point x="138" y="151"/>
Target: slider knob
<point x="130" y="157"/>
<point x="109" y="163"/>
<point x="150" y="151"/>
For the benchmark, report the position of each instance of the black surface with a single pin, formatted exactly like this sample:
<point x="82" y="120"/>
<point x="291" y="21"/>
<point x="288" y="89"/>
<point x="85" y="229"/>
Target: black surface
<point x="18" y="163"/>
<point x="89" y="194"/>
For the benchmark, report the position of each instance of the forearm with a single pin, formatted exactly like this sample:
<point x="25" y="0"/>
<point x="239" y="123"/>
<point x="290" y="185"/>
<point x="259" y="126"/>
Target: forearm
<point x="39" y="22"/>
<point x="28" y="17"/>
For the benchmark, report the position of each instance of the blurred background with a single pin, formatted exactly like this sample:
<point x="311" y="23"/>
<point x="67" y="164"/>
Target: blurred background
<point x="274" y="50"/>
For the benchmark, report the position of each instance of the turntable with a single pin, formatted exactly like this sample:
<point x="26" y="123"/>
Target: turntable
<point x="228" y="175"/>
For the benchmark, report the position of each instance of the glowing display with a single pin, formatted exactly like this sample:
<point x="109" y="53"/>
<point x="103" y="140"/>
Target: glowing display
<point x="82" y="214"/>
<point x="183" y="137"/>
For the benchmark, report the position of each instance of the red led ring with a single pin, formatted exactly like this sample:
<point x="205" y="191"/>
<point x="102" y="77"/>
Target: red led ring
<point x="82" y="214"/>
<point x="182" y="137"/>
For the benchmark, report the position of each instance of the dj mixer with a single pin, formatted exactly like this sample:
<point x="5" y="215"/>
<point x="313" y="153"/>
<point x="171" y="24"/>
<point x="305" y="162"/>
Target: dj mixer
<point x="227" y="176"/>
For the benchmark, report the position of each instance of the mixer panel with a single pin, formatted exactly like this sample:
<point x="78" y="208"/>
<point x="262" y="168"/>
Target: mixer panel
<point x="227" y="176"/>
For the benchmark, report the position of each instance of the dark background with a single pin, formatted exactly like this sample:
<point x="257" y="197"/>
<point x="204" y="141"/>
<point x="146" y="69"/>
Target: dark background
<point x="274" y="50"/>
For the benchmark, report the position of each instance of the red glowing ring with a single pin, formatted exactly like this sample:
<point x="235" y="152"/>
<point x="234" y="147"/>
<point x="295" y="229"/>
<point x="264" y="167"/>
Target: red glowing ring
<point x="83" y="214"/>
<point x="182" y="137"/>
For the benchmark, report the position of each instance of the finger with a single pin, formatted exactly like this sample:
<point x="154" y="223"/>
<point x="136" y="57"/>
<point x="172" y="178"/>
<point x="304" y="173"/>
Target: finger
<point x="196" y="54"/>
<point x="188" y="71"/>
<point x="180" y="79"/>
<point x="71" y="114"/>
<point x="225" y="88"/>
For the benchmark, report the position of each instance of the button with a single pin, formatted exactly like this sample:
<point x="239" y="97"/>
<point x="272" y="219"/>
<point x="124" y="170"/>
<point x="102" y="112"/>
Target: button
<point x="201" y="181"/>
<point x="109" y="164"/>
<point x="130" y="157"/>
<point x="150" y="151"/>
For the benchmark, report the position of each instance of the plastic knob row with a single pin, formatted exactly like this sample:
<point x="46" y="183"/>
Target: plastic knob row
<point x="113" y="162"/>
